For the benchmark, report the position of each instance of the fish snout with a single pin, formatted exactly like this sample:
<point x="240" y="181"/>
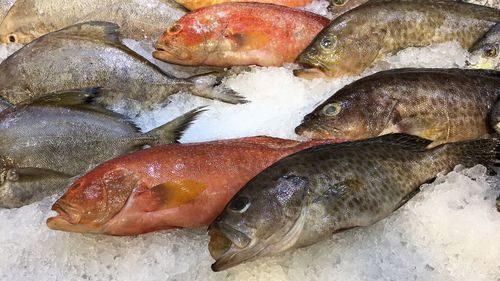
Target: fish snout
<point x="69" y="213"/>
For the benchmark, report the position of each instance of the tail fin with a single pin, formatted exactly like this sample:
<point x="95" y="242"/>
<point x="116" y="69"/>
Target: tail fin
<point x="207" y="87"/>
<point x="173" y="130"/>
<point x="485" y="152"/>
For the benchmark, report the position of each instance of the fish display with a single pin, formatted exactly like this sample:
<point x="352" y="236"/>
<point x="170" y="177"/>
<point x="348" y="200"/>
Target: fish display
<point x="140" y="20"/>
<point x="311" y="194"/>
<point x="197" y="4"/>
<point x="89" y="55"/>
<point x="4" y="8"/>
<point x="485" y="54"/>
<point x="49" y="140"/>
<point x="412" y="101"/>
<point x="239" y="34"/>
<point x="362" y="36"/>
<point x="171" y="186"/>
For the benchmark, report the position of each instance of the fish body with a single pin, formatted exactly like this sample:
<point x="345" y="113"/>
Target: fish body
<point x="91" y="55"/>
<point x="197" y="4"/>
<point x="62" y="135"/>
<point x="485" y="54"/>
<point x="4" y="8"/>
<point x="443" y="105"/>
<point x="364" y="35"/>
<point x="171" y="186"/>
<point x="239" y="34"/>
<point x="140" y="20"/>
<point x="311" y="194"/>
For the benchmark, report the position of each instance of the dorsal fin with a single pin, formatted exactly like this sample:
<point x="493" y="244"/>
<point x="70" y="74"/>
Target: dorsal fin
<point x="403" y="140"/>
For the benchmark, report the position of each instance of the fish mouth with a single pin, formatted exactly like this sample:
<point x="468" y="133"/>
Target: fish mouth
<point x="311" y="67"/>
<point x="67" y="217"/>
<point x="170" y="54"/>
<point x="229" y="247"/>
<point x="317" y="133"/>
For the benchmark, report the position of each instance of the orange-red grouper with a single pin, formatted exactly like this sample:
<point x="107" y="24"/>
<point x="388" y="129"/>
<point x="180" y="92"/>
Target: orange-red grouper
<point x="239" y="34"/>
<point x="168" y="186"/>
<point x="196" y="4"/>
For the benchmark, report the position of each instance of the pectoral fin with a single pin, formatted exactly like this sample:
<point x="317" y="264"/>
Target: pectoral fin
<point x="32" y="174"/>
<point x="247" y="41"/>
<point x="174" y="194"/>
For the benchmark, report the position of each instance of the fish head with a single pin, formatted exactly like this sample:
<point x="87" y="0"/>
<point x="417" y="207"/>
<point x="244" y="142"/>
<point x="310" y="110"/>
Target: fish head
<point x="21" y="24"/>
<point x="264" y="218"/>
<point x="191" y="40"/>
<point x="485" y="53"/>
<point x="93" y="200"/>
<point x="350" y="114"/>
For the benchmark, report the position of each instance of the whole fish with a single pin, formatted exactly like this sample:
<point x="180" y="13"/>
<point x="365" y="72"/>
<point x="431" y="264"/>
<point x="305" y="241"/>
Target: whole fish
<point x="443" y="105"/>
<point x="197" y="4"/>
<point x="140" y="20"/>
<point x="362" y="36"/>
<point x="51" y="139"/>
<point x="311" y="194"/>
<point x="91" y="55"/>
<point x="177" y="185"/>
<point x="4" y="8"/>
<point x="239" y="34"/>
<point x="485" y="53"/>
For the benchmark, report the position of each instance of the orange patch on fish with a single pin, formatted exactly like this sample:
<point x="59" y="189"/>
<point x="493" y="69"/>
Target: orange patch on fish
<point x="174" y="194"/>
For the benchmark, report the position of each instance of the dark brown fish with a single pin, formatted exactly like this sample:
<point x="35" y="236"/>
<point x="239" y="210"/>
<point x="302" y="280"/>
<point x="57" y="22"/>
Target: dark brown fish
<point x="443" y="105"/>
<point x="307" y="196"/>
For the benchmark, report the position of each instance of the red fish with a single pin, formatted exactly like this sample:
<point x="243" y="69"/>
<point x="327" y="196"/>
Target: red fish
<point x="196" y="4"/>
<point x="239" y="34"/>
<point x="169" y="186"/>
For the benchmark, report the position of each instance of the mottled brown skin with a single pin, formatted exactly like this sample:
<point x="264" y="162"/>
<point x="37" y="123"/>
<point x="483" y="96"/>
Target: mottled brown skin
<point x="362" y="36"/>
<point x="338" y="7"/>
<point x="443" y="105"/>
<point x="171" y="186"/>
<point x="311" y="194"/>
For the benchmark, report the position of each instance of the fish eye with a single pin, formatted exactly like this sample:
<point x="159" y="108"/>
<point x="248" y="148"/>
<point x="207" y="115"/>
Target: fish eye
<point x="328" y="42"/>
<point x="239" y="204"/>
<point x="12" y="175"/>
<point x="332" y="109"/>
<point x="490" y="51"/>
<point x="174" y="29"/>
<point x="12" y="38"/>
<point x="339" y="2"/>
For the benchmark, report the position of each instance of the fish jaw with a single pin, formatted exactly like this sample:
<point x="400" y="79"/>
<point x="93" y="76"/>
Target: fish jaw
<point x="67" y="219"/>
<point x="169" y="54"/>
<point x="318" y="134"/>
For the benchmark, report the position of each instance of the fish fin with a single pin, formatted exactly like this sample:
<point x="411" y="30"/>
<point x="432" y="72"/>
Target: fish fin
<point x="33" y="173"/>
<point x="174" y="194"/>
<point x="409" y="196"/>
<point x="409" y="142"/>
<point x="97" y="30"/>
<point x="4" y="104"/>
<point x="217" y="92"/>
<point x="247" y="41"/>
<point x="483" y="151"/>
<point x="173" y="130"/>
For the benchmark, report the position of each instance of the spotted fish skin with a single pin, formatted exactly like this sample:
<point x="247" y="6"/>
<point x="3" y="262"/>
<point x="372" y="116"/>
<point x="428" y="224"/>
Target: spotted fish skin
<point x="309" y="195"/>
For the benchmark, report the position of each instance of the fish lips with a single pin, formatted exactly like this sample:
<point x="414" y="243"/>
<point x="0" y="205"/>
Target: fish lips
<point x="67" y="217"/>
<point x="170" y="54"/>
<point x="229" y="247"/>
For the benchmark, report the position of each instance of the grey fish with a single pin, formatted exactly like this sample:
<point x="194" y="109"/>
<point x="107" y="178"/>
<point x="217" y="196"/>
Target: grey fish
<point x="140" y="20"/>
<point x="355" y="40"/>
<point x="309" y="195"/>
<point x="49" y="140"/>
<point x="485" y="53"/>
<point x="443" y="105"/>
<point x="89" y="55"/>
<point x="338" y="7"/>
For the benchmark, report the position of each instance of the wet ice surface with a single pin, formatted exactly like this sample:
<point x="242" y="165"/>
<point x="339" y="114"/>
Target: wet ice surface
<point x="449" y="231"/>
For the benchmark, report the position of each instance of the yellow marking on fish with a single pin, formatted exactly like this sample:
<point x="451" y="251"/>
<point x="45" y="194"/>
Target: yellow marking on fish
<point x="251" y="40"/>
<point x="174" y="194"/>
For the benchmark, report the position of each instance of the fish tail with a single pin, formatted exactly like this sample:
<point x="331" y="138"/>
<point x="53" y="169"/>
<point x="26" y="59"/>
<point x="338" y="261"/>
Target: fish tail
<point x="215" y="91"/>
<point x="484" y="151"/>
<point x="173" y="130"/>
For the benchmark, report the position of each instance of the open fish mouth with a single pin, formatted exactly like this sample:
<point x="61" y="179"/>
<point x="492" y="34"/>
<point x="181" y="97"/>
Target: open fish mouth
<point x="171" y="54"/>
<point x="317" y="133"/>
<point x="67" y="217"/>
<point x="229" y="247"/>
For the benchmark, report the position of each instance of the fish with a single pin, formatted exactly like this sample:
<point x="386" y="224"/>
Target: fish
<point x="498" y="203"/>
<point x="443" y="105"/>
<point x="140" y="20"/>
<point x="338" y="7"/>
<point x="305" y="197"/>
<point x="90" y="55"/>
<point x="4" y="8"/>
<point x="494" y="117"/>
<point x="4" y="105"/>
<point x="362" y="36"/>
<point x="239" y="34"/>
<point x="165" y="187"/>
<point x="47" y="141"/>
<point x="485" y="54"/>
<point x="198" y="4"/>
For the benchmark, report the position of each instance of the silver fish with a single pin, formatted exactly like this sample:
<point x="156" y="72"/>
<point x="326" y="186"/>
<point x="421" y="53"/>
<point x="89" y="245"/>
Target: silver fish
<point x="49" y="140"/>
